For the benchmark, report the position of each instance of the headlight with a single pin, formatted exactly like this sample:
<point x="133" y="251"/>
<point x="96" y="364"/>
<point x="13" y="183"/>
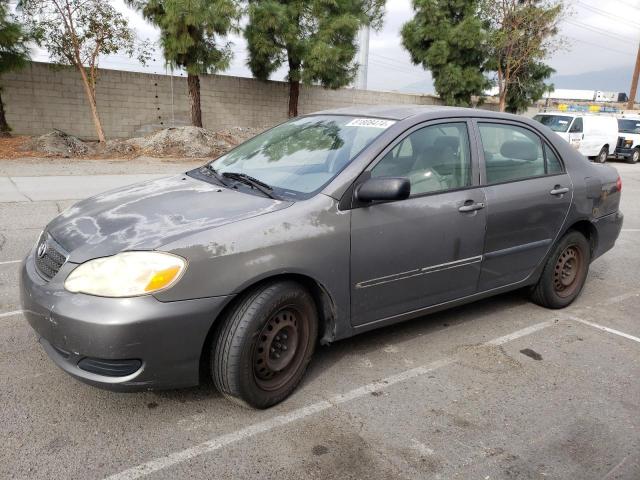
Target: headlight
<point x="126" y="274"/>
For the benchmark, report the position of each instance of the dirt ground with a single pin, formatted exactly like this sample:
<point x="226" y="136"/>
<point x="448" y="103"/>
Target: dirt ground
<point x="177" y="143"/>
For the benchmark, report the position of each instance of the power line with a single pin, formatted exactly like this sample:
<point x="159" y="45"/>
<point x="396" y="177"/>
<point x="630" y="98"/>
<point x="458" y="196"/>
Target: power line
<point x="586" y="42"/>
<point x="604" y="13"/>
<point x="396" y="68"/>
<point x="629" y="4"/>
<point x="389" y="58"/>
<point x="600" y="31"/>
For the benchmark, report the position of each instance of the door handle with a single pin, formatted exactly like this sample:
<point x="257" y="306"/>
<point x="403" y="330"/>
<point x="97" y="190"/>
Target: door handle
<point x="558" y="190"/>
<point x="469" y="206"/>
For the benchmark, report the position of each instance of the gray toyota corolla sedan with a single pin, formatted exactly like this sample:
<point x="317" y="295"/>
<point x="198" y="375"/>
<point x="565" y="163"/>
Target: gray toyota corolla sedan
<point x="323" y="227"/>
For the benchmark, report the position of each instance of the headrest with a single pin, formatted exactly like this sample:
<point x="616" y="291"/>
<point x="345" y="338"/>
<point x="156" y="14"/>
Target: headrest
<point x="519" y="150"/>
<point x="450" y="141"/>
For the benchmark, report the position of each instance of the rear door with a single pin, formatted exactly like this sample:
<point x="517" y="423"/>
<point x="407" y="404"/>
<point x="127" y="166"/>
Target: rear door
<point x="528" y="197"/>
<point x="410" y="254"/>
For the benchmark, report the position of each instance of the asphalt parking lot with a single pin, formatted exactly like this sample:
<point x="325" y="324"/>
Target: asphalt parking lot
<point x="500" y="389"/>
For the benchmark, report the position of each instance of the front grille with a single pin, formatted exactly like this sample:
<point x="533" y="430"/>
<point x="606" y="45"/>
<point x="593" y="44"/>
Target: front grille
<point x="49" y="257"/>
<point x="620" y="142"/>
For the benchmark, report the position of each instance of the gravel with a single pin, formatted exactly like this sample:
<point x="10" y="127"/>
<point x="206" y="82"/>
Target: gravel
<point x="186" y="142"/>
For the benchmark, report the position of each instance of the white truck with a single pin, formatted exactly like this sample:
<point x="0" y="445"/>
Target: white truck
<point x="628" y="146"/>
<point x="593" y="135"/>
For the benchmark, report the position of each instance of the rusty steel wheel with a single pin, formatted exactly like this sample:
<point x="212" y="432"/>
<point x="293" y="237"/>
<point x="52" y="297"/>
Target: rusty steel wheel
<point x="564" y="273"/>
<point x="264" y="344"/>
<point x="276" y="355"/>
<point x="567" y="271"/>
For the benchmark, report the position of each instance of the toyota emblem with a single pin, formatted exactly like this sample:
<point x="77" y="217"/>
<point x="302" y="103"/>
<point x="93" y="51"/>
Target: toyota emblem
<point x="42" y="249"/>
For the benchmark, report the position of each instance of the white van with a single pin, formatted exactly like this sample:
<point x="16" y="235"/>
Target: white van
<point x="593" y="135"/>
<point x="628" y="138"/>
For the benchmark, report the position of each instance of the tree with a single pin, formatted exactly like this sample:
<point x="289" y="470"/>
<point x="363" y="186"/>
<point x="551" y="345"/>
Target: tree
<point x="528" y="87"/>
<point x="447" y="38"/>
<point x="521" y="33"/>
<point x="13" y="52"/>
<point x="189" y="34"/>
<point x="77" y="33"/>
<point x="315" y="39"/>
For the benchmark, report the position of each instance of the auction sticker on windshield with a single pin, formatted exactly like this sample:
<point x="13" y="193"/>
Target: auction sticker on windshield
<point x="370" y="122"/>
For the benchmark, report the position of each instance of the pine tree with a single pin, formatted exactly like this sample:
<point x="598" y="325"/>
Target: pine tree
<point x="13" y="52"/>
<point x="191" y="33"/>
<point x="314" y="39"/>
<point x="447" y="38"/>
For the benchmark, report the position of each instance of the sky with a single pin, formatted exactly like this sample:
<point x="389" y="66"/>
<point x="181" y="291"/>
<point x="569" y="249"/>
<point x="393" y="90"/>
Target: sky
<point x="597" y="35"/>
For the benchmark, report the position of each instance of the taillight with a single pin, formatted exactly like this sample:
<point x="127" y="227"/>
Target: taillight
<point x="619" y="184"/>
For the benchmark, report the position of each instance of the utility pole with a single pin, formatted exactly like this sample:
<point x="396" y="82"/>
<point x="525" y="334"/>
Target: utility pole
<point x="634" y="82"/>
<point x="363" y="59"/>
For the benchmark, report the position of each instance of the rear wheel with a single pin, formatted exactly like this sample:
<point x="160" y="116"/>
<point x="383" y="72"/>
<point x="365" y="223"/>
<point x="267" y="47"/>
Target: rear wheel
<point x="564" y="273"/>
<point x="635" y="156"/>
<point x="265" y="344"/>
<point x="602" y="156"/>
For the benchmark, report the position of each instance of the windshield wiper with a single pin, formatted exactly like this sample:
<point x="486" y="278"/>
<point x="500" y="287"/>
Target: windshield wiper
<point x="252" y="182"/>
<point x="208" y="169"/>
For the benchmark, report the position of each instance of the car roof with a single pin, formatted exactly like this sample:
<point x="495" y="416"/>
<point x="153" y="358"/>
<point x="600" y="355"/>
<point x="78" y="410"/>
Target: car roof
<point x="402" y="112"/>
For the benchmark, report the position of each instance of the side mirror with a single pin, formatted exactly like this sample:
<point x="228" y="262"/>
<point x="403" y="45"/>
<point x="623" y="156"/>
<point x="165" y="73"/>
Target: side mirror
<point x="384" y="189"/>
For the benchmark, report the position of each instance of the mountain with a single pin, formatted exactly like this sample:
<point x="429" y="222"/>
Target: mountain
<point x="610" y="80"/>
<point x="423" y="86"/>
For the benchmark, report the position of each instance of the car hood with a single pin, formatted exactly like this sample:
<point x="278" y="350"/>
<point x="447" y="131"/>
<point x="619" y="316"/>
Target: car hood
<point x="147" y="215"/>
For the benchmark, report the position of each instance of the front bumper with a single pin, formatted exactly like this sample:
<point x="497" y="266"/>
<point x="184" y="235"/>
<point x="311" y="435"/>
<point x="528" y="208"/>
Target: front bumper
<point x="167" y="337"/>
<point x="623" y="152"/>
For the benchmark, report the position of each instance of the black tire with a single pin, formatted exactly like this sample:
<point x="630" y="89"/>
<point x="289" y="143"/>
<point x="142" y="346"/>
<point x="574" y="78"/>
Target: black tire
<point x="264" y="344"/>
<point x="564" y="273"/>
<point x="635" y="156"/>
<point x="602" y="156"/>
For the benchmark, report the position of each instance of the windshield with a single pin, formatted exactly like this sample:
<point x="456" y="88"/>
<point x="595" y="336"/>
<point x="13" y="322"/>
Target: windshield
<point x="299" y="157"/>
<point x="628" y="126"/>
<point x="557" y="123"/>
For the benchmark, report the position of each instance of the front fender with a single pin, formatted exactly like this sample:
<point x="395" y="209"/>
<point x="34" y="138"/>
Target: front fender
<point x="310" y="238"/>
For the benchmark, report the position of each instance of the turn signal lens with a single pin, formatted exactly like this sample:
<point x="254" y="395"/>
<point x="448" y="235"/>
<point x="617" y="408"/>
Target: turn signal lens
<point x="162" y="279"/>
<point x="619" y="184"/>
<point x="126" y="274"/>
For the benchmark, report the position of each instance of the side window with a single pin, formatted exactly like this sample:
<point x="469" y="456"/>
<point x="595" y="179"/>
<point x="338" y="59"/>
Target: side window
<point x="434" y="158"/>
<point x="510" y="152"/>
<point x="576" y="127"/>
<point x="553" y="164"/>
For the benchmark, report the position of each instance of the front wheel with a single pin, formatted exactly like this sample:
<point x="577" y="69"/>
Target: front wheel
<point x="565" y="272"/>
<point x="602" y="156"/>
<point x="635" y="156"/>
<point x="265" y="344"/>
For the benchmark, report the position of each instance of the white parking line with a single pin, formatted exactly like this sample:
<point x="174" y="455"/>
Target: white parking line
<point x="10" y="314"/>
<point x="630" y="230"/>
<point x="217" y="443"/>
<point x="9" y="262"/>
<point x="602" y="327"/>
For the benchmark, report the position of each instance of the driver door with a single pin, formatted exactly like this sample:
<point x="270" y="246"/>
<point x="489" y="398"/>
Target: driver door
<point x="411" y="254"/>
<point x="576" y="133"/>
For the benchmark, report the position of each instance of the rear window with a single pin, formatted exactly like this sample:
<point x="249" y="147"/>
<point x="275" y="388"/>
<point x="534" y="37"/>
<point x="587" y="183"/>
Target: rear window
<point x="557" y="123"/>
<point x="626" y="125"/>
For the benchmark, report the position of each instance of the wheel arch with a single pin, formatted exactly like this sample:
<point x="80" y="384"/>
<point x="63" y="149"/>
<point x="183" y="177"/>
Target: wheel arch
<point x="325" y="306"/>
<point x="587" y="228"/>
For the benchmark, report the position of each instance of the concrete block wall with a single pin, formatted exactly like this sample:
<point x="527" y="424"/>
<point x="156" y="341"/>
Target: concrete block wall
<point x="42" y="97"/>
